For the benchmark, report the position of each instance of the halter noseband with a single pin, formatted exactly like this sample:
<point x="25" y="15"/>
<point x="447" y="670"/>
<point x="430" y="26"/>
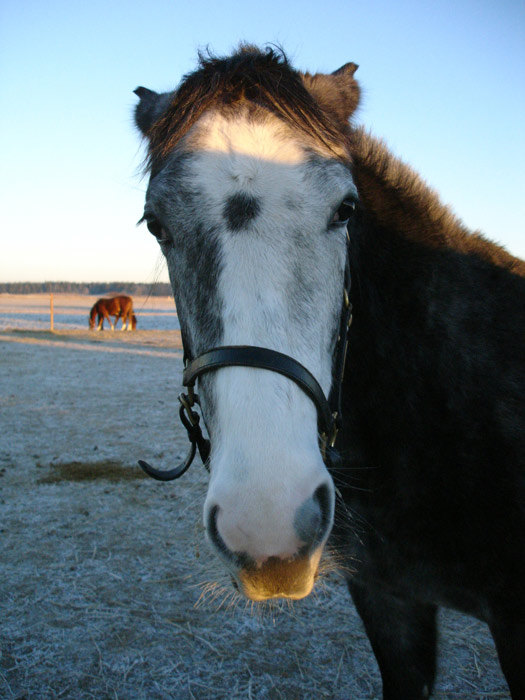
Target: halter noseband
<point x="328" y="411"/>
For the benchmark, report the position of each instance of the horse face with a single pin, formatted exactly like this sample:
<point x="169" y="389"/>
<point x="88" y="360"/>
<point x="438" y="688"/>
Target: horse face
<point x="246" y="211"/>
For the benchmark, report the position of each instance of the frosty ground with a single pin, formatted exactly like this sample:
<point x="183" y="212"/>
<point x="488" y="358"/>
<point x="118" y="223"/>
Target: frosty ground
<point x="107" y="588"/>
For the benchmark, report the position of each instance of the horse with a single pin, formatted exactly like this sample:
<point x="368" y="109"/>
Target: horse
<point x="119" y="306"/>
<point x="359" y="359"/>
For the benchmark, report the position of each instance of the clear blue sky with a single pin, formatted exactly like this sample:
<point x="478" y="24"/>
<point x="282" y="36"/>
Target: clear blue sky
<point x="443" y="83"/>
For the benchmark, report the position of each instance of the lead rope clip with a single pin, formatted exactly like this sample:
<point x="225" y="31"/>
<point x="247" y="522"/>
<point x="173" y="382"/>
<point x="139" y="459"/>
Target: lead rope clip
<point x="191" y="421"/>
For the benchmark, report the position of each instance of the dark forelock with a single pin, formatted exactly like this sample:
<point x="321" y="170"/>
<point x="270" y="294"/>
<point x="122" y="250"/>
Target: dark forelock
<point x="262" y="78"/>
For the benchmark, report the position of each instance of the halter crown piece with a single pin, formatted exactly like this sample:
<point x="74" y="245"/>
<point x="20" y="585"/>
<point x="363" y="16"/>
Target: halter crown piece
<point x="328" y="411"/>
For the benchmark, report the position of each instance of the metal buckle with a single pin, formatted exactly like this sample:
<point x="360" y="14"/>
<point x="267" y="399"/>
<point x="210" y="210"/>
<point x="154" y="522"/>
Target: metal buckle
<point x="335" y="429"/>
<point x="187" y="402"/>
<point x="326" y="440"/>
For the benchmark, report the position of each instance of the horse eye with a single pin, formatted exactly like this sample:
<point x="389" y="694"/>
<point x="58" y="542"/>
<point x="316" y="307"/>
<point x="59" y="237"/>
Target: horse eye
<point x="345" y="211"/>
<point x="155" y="228"/>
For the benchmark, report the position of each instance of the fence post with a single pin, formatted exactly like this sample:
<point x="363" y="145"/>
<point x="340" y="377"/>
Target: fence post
<point x="51" y="313"/>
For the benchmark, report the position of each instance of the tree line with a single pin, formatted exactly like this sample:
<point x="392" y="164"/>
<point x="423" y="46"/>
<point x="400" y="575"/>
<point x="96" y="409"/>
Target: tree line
<point x="155" y="289"/>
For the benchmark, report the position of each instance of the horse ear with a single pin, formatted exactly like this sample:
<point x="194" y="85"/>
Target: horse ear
<point x="150" y="108"/>
<point x="337" y="92"/>
<point x="348" y="69"/>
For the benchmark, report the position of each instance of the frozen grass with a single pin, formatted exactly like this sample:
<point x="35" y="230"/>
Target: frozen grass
<point x="107" y="589"/>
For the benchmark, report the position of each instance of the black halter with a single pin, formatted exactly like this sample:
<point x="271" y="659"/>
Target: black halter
<point x="328" y="411"/>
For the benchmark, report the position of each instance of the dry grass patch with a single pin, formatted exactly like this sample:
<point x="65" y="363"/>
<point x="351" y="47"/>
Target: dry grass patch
<point x="105" y="469"/>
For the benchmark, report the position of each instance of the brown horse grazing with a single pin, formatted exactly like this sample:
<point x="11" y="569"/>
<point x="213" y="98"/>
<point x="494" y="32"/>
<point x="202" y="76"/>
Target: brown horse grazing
<point x="120" y="307"/>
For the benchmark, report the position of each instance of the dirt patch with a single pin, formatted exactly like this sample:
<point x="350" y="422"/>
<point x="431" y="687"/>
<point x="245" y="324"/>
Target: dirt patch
<point x="106" y="470"/>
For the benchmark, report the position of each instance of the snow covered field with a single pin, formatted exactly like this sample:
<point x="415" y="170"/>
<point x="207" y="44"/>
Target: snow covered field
<point x="104" y="572"/>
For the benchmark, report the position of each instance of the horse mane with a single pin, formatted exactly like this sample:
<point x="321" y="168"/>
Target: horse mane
<point x="262" y="78"/>
<point x="397" y="197"/>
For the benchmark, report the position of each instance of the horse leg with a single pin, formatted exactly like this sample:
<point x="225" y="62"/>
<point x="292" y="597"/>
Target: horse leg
<point x="100" y="325"/>
<point x="403" y="636"/>
<point x="105" y="317"/>
<point x="508" y="633"/>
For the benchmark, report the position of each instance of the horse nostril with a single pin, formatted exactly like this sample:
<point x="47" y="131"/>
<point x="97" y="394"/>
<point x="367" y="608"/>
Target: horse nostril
<point x="314" y="517"/>
<point x="236" y="559"/>
<point x="323" y="496"/>
<point x="213" y="531"/>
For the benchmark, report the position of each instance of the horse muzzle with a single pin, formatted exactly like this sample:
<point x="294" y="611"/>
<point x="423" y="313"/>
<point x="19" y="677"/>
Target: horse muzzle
<point x="278" y="578"/>
<point x="272" y="559"/>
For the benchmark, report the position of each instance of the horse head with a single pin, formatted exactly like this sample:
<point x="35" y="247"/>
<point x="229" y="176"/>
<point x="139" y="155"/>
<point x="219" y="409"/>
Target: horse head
<point x="92" y="316"/>
<point x="250" y="196"/>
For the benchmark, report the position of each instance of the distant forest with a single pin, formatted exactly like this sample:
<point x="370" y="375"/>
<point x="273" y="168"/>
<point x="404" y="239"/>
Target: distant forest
<point x="155" y="289"/>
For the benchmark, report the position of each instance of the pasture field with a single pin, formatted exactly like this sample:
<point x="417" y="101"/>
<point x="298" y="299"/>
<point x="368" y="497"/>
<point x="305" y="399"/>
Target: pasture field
<point x="107" y="588"/>
<point x="32" y="311"/>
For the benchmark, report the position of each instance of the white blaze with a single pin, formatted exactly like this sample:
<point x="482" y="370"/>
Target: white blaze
<point x="265" y="460"/>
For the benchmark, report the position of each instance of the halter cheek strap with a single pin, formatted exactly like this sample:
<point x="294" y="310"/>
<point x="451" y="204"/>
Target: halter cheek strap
<point x="261" y="358"/>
